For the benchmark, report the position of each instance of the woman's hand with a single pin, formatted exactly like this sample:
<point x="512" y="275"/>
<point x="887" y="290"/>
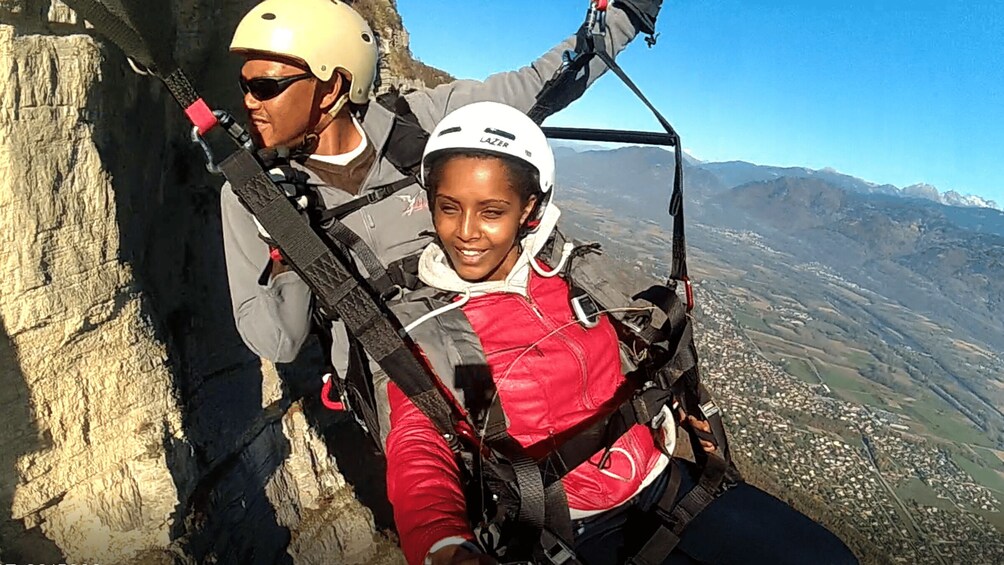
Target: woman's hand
<point x="458" y="555"/>
<point x="704" y="426"/>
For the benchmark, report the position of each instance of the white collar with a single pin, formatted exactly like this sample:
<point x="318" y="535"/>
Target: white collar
<point x="344" y="159"/>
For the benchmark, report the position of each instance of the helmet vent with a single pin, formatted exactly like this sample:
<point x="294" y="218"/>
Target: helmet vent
<point x="450" y="130"/>
<point x="268" y="16"/>
<point x="367" y="38"/>
<point x="500" y="133"/>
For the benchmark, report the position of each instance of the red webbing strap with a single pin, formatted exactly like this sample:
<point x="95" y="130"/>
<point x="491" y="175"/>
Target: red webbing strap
<point x="201" y="116"/>
<point x="188" y="98"/>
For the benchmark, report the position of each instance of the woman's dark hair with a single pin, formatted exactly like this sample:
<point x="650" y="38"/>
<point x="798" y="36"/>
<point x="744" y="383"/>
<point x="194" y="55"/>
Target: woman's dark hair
<point x="523" y="177"/>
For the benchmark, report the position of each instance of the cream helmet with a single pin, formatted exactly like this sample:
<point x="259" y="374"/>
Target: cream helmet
<point x="327" y="35"/>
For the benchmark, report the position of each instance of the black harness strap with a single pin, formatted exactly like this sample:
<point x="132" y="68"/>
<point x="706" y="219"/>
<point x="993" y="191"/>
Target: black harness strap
<point x="404" y="272"/>
<point x="181" y="88"/>
<point x="113" y="20"/>
<point x="677" y="515"/>
<point x="542" y="505"/>
<point x="679" y="268"/>
<point x="482" y="402"/>
<point x="532" y="498"/>
<point x="359" y="387"/>
<point x="371" y="196"/>
<point x="664" y="540"/>
<point x="336" y="288"/>
<point x="130" y="25"/>
<point x="378" y="277"/>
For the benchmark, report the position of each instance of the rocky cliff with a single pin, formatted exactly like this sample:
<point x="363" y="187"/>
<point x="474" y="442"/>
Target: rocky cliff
<point x="135" y="425"/>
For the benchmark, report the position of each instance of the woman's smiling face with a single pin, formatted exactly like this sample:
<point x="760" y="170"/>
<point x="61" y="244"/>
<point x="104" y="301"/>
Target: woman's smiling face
<point x="477" y="213"/>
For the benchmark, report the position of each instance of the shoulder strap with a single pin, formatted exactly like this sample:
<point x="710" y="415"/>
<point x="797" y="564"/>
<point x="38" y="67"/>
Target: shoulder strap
<point x="567" y="84"/>
<point x="370" y="197"/>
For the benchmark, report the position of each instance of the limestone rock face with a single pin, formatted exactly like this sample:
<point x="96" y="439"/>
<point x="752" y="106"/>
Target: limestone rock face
<point x="87" y="394"/>
<point x="134" y="424"/>
<point x="398" y="69"/>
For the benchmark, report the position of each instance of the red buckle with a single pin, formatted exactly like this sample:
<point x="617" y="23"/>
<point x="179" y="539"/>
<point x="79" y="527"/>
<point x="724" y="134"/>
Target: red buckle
<point x="326" y="396"/>
<point x="689" y="289"/>
<point x="201" y="116"/>
<point x="276" y="254"/>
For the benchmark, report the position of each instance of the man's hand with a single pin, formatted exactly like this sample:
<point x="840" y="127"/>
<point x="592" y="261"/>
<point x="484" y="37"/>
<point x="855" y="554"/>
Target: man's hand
<point x="458" y="555"/>
<point x="642" y="12"/>
<point x="293" y="183"/>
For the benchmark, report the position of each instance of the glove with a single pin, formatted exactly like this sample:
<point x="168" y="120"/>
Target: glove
<point x="294" y="183"/>
<point x="642" y="13"/>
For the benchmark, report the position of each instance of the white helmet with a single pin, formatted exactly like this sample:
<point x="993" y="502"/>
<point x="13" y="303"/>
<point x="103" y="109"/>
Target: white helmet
<point x="325" y="34"/>
<point x="494" y="128"/>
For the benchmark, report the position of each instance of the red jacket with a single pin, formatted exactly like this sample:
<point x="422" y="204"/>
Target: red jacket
<point x="551" y="374"/>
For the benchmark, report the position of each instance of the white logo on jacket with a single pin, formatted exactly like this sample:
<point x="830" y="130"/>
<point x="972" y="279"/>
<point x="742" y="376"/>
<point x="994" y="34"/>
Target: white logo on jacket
<point x="415" y="203"/>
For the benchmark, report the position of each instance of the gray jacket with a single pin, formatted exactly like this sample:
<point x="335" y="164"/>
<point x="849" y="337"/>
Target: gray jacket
<point x="273" y="316"/>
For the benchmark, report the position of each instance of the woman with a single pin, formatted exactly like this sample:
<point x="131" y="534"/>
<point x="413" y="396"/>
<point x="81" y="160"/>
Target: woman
<point x="490" y="176"/>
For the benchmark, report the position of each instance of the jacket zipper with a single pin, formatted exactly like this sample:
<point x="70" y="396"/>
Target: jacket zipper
<point x="533" y="306"/>
<point x="576" y="352"/>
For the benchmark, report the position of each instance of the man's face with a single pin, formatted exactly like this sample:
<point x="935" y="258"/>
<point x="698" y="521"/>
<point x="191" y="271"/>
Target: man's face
<point x="285" y="118"/>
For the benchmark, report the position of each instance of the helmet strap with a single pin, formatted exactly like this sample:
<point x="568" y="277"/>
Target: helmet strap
<point x="310" y="140"/>
<point x="536" y="215"/>
<point x="335" y="109"/>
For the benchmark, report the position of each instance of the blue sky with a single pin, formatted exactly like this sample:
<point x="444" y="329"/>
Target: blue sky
<point x="892" y="91"/>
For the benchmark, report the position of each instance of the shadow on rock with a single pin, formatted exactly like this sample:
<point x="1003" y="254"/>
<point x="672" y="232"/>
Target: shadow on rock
<point x="167" y="212"/>
<point x="18" y="544"/>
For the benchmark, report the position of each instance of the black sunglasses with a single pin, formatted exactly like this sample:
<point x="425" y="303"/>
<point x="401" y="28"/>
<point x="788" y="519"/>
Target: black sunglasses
<point x="266" y="88"/>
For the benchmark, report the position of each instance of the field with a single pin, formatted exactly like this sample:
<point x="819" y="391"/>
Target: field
<point x="832" y="337"/>
<point x="912" y="371"/>
<point x="915" y="489"/>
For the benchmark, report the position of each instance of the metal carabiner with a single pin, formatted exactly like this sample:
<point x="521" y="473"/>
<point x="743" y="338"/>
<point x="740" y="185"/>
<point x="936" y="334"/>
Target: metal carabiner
<point x="138" y="68"/>
<point x="233" y="128"/>
<point x="596" y="20"/>
<point x="210" y="160"/>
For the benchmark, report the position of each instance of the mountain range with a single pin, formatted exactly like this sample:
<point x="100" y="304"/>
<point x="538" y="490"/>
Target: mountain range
<point x="735" y="173"/>
<point x="853" y="222"/>
<point x="739" y="172"/>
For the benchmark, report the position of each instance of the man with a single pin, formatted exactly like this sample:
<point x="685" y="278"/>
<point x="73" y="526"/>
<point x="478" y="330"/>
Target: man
<point x="307" y="78"/>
